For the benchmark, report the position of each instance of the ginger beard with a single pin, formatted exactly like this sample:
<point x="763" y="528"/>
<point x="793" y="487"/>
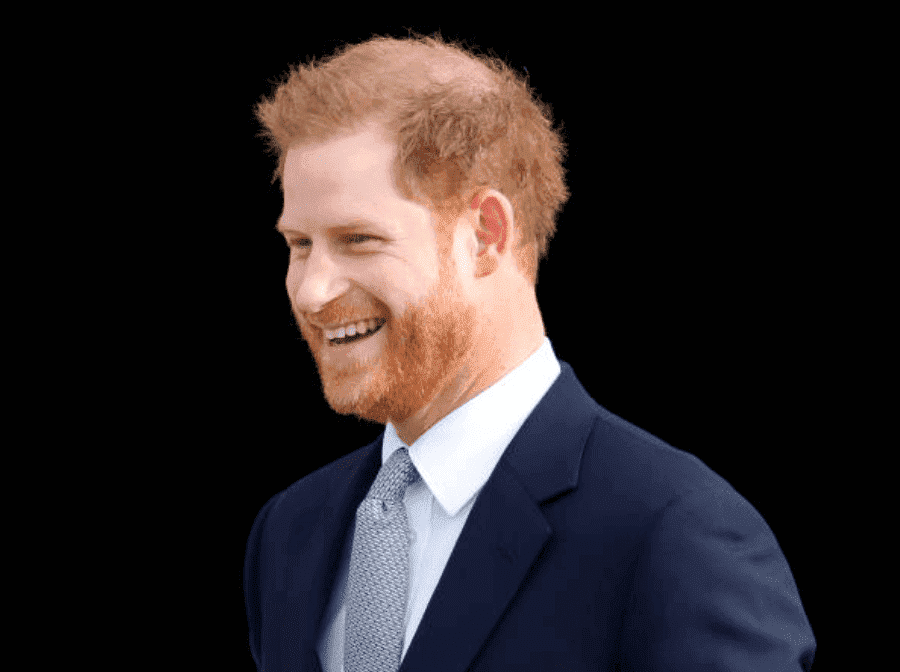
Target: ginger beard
<point x="418" y="354"/>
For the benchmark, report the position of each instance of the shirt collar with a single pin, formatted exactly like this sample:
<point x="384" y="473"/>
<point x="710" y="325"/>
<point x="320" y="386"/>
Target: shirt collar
<point x="456" y="456"/>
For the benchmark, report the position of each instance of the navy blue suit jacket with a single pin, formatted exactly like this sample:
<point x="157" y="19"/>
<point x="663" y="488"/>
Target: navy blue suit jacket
<point x="593" y="546"/>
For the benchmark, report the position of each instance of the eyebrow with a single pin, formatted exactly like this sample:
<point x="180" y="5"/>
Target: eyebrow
<point x="353" y="225"/>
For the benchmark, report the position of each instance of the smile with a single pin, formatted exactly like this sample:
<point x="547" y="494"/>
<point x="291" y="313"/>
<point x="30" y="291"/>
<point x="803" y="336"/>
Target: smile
<point x="357" y="337"/>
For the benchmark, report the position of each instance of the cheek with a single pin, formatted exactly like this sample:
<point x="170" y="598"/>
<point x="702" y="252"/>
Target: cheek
<point x="396" y="292"/>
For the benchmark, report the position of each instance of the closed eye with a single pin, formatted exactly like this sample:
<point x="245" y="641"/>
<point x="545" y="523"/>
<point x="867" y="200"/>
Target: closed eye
<point x="351" y="238"/>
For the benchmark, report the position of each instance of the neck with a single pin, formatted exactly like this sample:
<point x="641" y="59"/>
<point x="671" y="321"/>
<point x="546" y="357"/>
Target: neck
<point x="488" y="362"/>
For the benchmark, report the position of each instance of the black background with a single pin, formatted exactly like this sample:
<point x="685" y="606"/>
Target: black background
<point x="684" y="245"/>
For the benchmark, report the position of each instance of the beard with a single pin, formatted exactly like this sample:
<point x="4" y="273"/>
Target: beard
<point x="418" y="355"/>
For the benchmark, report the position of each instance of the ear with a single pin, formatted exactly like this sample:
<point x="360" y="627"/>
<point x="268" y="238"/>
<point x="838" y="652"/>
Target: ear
<point x="494" y="229"/>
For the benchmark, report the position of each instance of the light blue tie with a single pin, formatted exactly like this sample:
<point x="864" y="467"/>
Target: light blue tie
<point x="379" y="572"/>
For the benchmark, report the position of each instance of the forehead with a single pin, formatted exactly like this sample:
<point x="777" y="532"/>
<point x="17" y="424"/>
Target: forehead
<point x="363" y="156"/>
<point x="347" y="178"/>
<point x="348" y="171"/>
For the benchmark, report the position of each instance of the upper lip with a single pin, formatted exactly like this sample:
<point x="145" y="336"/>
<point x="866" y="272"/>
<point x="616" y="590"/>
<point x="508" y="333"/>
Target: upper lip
<point x="338" y="325"/>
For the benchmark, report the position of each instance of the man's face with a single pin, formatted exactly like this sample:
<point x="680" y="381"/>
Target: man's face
<point x="359" y="250"/>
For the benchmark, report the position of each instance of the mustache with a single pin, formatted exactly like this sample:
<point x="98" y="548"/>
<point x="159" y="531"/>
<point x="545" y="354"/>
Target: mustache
<point x="336" y="317"/>
<point x="343" y="316"/>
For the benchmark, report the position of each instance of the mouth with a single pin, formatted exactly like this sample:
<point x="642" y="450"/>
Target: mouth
<point x="347" y="340"/>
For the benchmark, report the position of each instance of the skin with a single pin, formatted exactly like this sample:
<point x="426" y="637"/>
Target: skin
<point x="460" y="315"/>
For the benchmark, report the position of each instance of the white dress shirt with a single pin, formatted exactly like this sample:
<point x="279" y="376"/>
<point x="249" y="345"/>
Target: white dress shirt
<point x="455" y="457"/>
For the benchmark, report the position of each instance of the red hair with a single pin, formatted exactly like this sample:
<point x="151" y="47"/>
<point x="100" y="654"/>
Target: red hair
<point x="462" y="121"/>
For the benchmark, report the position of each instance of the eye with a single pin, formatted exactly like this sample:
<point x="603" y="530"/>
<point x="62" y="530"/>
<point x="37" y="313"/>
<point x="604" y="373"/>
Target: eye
<point x="350" y="238"/>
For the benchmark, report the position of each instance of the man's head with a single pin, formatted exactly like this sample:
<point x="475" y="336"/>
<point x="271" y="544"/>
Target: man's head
<point x="402" y="212"/>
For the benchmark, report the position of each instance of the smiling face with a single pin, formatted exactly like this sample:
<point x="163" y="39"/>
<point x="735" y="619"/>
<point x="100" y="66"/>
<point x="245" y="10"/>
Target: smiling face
<point x="359" y="249"/>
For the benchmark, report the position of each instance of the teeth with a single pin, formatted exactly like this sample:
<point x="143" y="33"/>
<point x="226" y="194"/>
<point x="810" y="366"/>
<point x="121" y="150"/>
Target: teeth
<point x="361" y="327"/>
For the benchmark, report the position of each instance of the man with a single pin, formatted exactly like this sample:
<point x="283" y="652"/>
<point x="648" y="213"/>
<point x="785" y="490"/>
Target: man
<point x="503" y="520"/>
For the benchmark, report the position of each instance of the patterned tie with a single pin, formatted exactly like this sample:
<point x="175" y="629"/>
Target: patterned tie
<point x="379" y="572"/>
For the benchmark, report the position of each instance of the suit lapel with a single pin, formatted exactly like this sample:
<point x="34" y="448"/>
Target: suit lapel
<point x="503" y="535"/>
<point x="505" y="531"/>
<point x="317" y="544"/>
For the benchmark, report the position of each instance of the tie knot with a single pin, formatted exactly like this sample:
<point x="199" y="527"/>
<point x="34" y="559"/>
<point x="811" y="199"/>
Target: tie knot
<point x="395" y="476"/>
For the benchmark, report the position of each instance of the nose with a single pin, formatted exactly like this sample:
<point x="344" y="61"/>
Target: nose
<point x="314" y="282"/>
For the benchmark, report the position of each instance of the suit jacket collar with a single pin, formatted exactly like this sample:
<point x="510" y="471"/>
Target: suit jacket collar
<point x="503" y="535"/>
<point x="457" y="454"/>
